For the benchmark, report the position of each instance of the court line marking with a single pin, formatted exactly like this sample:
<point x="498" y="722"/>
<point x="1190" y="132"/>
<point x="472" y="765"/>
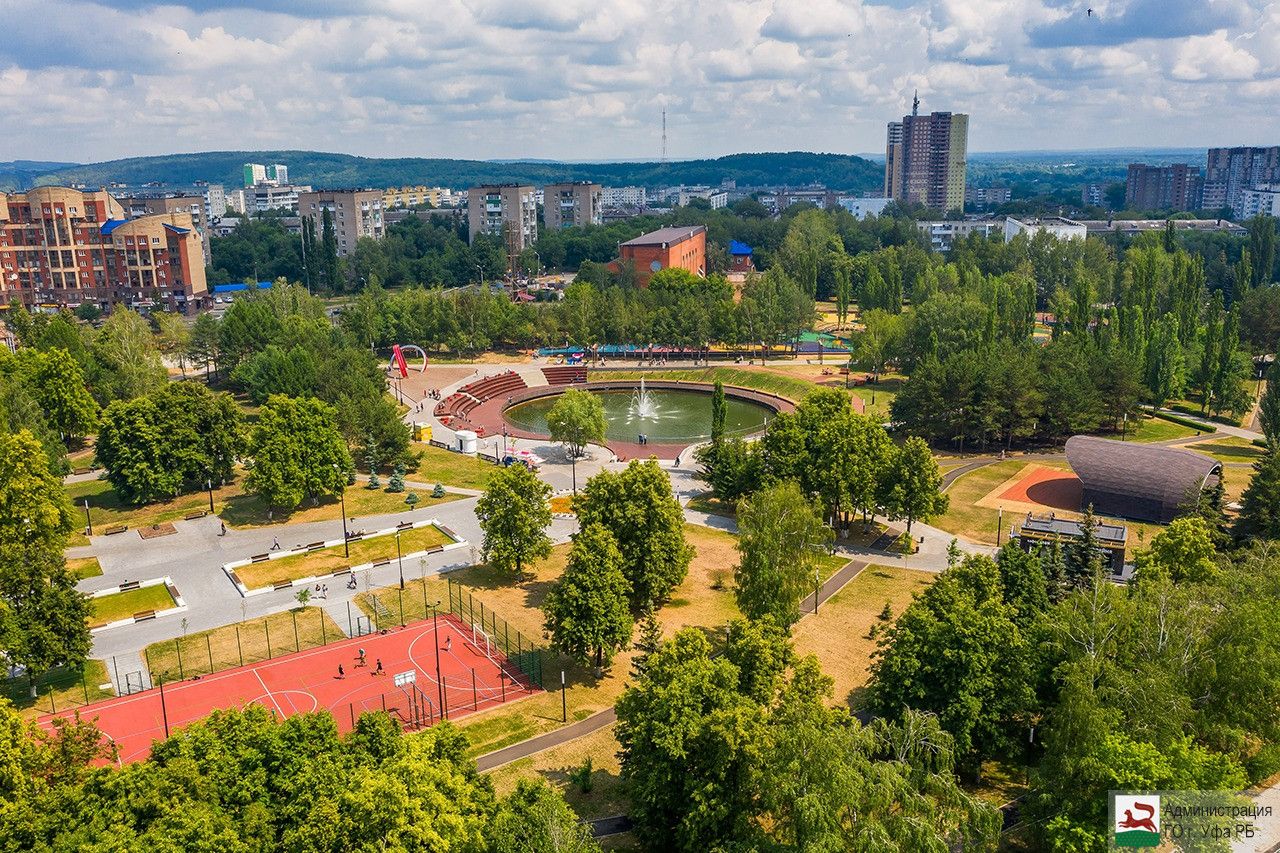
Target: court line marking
<point x="267" y="689"/>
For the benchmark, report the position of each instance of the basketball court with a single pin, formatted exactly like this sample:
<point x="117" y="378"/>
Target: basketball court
<point x="473" y="675"/>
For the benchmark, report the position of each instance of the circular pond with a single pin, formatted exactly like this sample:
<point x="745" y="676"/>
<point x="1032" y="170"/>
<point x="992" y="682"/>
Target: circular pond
<point x="665" y="416"/>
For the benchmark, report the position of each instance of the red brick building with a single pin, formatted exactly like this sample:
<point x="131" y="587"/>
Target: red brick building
<point x="61" y="246"/>
<point x="684" y="247"/>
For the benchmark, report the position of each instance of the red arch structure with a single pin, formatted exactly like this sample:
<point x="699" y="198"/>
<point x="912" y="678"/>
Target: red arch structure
<point x="398" y="362"/>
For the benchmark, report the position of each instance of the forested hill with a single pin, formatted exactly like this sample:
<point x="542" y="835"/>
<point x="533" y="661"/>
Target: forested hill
<point x="795" y="168"/>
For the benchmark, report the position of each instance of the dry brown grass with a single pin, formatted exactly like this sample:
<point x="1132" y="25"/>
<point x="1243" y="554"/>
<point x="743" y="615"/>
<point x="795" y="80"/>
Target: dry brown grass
<point x="241" y="643"/>
<point x="608" y="794"/>
<point x="330" y="560"/>
<point x="839" y="633"/>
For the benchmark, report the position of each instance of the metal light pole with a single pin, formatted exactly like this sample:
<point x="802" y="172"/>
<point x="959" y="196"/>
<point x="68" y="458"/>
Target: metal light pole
<point x="816" y="587"/>
<point x="88" y="522"/>
<point x="346" y="537"/>
<point x="435" y="633"/>
<point x="399" y="559"/>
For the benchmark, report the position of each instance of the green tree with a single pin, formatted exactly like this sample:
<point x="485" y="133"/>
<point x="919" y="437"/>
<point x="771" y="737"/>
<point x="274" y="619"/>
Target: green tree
<point x="1183" y="552"/>
<point x="536" y="818"/>
<point x="575" y="420"/>
<point x="297" y="452"/>
<point x="57" y="384"/>
<point x="173" y="338"/>
<point x="916" y="493"/>
<point x="1260" y="504"/>
<point x="1269" y="408"/>
<point x="637" y="506"/>
<point x="127" y="358"/>
<point x="177" y="439"/>
<point x="587" y="610"/>
<point x="43" y="619"/>
<point x="514" y="513"/>
<point x="780" y="541"/>
<point x="957" y="652"/>
<point x="1262" y="248"/>
<point x="202" y="348"/>
<point x="718" y="410"/>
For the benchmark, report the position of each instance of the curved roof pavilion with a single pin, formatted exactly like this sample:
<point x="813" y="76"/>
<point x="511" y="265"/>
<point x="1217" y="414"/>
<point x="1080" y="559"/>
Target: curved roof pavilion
<point x="1139" y="481"/>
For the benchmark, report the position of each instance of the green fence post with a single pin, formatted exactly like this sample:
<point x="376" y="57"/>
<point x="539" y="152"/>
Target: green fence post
<point x="266" y="628"/>
<point x="178" y="648"/>
<point x="208" y="644"/>
<point x="297" y="644"/>
<point x="239" y="648"/>
<point x="324" y="636"/>
<point x="84" y="686"/>
<point x="400" y="596"/>
<point x="146" y="658"/>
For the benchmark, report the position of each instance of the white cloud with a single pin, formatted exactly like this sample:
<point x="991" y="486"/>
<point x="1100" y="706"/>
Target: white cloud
<point x="97" y="79"/>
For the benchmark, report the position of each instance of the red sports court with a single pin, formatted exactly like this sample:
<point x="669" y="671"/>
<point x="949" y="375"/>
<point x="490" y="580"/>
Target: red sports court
<point x="474" y="675"/>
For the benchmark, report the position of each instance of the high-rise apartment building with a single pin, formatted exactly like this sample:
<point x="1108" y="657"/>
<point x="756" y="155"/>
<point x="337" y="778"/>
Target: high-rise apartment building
<point x="570" y="205"/>
<point x="355" y="214"/>
<point x="925" y="159"/>
<point x="394" y="197"/>
<point x="1174" y="187"/>
<point x="1259" y="201"/>
<point x="509" y="211"/>
<point x="215" y="202"/>
<point x="67" y="247"/>
<point x="1231" y="171"/>
<point x="274" y="174"/>
<point x="264" y="197"/>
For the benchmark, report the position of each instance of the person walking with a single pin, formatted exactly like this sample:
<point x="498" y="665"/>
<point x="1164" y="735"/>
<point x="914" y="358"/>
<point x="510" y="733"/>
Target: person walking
<point x="448" y="643"/>
<point x="275" y="543"/>
<point x="378" y="670"/>
<point x="362" y="659"/>
<point x="341" y="672"/>
<point x="223" y="532"/>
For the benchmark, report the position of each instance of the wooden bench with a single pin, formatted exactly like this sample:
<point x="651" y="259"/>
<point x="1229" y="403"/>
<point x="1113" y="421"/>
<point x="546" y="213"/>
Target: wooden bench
<point x="281" y="584"/>
<point x="144" y="615"/>
<point x="385" y="562"/>
<point x="128" y="585"/>
<point x="192" y="516"/>
<point x="258" y="558"/>
<point x="113" y="530"/>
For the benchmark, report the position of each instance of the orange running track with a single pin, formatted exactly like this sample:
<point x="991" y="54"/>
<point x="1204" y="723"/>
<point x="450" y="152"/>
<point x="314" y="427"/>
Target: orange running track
<point x="474" y="678"/>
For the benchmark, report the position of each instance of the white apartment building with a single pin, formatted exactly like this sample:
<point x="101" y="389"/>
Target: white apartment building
<point x="1259" y="201"/>
<point x="1063" y="229"/>
<point x="622" y="197"/>
<point x="861" y="208"/>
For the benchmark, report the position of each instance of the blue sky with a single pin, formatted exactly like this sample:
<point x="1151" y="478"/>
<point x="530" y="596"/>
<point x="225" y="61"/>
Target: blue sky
<point x="588" y="79"/>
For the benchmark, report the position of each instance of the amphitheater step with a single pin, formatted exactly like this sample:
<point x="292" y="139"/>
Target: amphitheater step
<point x="534" y="378"/>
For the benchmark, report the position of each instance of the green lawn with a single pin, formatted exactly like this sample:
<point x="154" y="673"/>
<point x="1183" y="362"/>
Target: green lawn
<point x="245" y="510"/>
<point x="122" y="605"/>
<point x="59" y="689"/>
<point x="1228" y="449"/>
<point x="108" y="510"/>
<point x="878" y="397"/>
<point x="437" y="465"/>
<point x="977" y="523"/>
<point x="85" y="567"/>
<point x="1147" y="429"/>
<point x="241" y="643"/>
<point x="329" y="560"/>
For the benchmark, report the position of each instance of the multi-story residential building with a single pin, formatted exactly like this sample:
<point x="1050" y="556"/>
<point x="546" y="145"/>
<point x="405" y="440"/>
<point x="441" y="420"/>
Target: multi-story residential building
<point x="394" y="197"/>
<point x="145" y="205"/>
<point x="355" y="214"/>
<point x="684" y="247"/>
<point x="571" y="205"/>
<point x="1175" y="187"/>
<point x="984" y="197"/>
<point x="275" y="174"/>
<point x="862" y="207"/>
<point x="215" y="202"/>
<point x="717" y="198"/>
<point x="614" y="197"/>
<point x="1260" y="201"/>
<point x="509" y="211"/>
<point x="925" y="158"/>
<point x="67" y="247"/>
<point x="1231" y="171"/>
<point x="264" y="197"/>
<point x="1063" y="229"/>
<point x="943" y="234"/>
<point x="1094" y="195"/>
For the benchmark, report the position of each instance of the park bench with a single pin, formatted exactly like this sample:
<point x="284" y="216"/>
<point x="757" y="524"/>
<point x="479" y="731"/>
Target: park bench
<point x="114" y="529"/>
<point x="385" y="562"/>
<point x="192" y="516"/>
<point x="144" y="615"/>
<point x="258" y="558"/>
<point x="281" y="584"/>
<point x="128" y="585"/>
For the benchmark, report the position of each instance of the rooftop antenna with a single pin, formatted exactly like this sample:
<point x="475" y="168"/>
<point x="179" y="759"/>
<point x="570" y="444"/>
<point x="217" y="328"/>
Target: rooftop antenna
<point x="664" y="136"/>
<point x="915" y="103"/>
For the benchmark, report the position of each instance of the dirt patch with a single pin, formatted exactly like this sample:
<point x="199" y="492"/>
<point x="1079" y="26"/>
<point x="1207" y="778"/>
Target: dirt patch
<point x="154" y="531"/>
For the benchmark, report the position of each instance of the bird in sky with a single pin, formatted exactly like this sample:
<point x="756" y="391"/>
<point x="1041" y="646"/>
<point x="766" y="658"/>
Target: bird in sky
<point x="1090" y="15"/>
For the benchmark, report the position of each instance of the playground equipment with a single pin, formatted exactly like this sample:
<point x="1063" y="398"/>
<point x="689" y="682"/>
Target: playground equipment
<point x="398" y="362"/>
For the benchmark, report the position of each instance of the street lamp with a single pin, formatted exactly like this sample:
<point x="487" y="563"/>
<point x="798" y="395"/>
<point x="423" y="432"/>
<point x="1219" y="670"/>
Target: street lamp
<point x="346" y="537"/>
<point x="399" y="559"/>
<point x="209" y="485"/>
<point x="435" y="634"/>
